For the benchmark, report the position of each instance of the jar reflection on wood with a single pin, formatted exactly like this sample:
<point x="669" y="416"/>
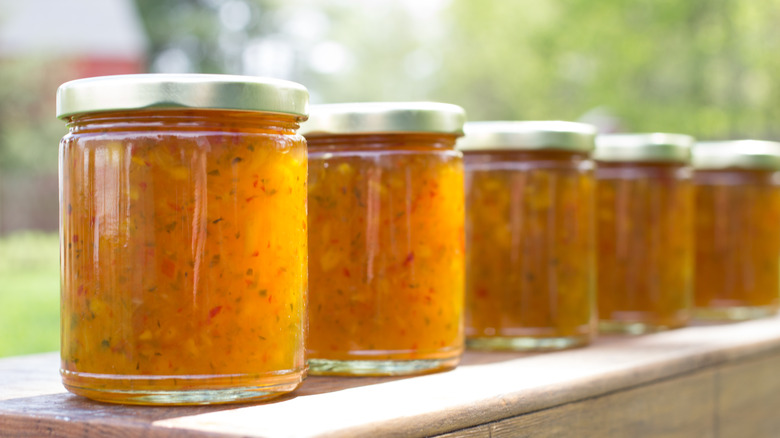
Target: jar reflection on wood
<point x="737" y="186"/>
<point x="386" y="238"/>
<point x="644" y="222"/>
<point x="183" y="238"/>
<point x="529" y="235"/>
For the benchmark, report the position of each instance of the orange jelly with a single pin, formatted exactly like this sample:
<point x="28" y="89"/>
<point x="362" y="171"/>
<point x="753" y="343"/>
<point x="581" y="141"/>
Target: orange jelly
<point x="386" y="240"/>
<point x="737" y="186"/>
<point x="183" y="240"/>
<point x="530" y="236"/>
<point x="644" y="217"/>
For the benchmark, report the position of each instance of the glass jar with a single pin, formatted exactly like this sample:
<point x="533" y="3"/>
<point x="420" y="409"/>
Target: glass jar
<point x="529" y="235"/>
<point x="386" y="240"/>
<point x="737" y="186"/>
<point x="644" y="220"/>
<point x="183" y="238"/>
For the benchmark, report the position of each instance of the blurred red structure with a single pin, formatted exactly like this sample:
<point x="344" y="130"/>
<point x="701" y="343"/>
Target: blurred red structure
<point x="49" y="42"/>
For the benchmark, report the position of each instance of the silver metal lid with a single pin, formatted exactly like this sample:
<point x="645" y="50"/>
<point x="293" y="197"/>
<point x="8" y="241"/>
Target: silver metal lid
<point x="529" y="135"/>
<point x="743" y="154"/>
<point x="171" y="91"/>
<point x="384" y="117"/>
<point x="651" y="147"/>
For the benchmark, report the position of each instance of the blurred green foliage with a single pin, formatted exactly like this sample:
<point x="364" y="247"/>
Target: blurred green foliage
<point x="29" y="131"/>
<point x="29" y="293"/>
<point x="703" y="67"/>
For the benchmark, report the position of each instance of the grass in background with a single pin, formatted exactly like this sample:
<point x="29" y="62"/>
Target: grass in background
<point x="29" y="293"/>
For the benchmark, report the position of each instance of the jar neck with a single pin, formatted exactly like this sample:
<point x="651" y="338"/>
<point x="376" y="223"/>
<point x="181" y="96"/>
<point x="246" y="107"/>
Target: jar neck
<point x="643" y="164"/>
<point x="526" y="155"/>
<point x="736" y="176"/>
<point x="185" y="120"/>
<point x="389" y="141"/>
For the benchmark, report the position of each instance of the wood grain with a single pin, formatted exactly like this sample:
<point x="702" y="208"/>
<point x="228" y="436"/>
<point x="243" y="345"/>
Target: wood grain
<point x="688" y="382"/>
<point x="749" y="398"/>
<point x="680" y="407"/>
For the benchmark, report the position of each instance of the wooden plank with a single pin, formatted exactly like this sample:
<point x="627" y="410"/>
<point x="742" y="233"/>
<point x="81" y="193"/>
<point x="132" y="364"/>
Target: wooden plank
<point x="679" y="407"/>
<point x="487" y="388"/>
<point x="749" y="398"/>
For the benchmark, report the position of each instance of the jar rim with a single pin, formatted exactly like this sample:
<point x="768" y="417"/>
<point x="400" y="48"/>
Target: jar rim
<point x="361" y="118"/>
<point x="181" y="91"/>
<point x="744" y="154"/>
<point x="527" y="135"/>
<point x="644" y="147"/>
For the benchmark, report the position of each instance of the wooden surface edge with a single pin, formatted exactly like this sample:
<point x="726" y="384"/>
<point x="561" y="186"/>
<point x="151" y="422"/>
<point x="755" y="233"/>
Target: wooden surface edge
<point x="480" y="392"/>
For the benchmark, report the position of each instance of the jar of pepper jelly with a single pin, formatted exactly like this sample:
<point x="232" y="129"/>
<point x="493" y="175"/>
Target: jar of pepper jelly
<point x="644" y="224"/>
<point x="737" y="193"/>
<point x="183" y="238"/>
<point x="529" y="235"/>
<point x="386" y="238"/>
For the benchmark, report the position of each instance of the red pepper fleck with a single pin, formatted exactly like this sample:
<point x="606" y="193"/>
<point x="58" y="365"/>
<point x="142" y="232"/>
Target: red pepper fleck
<point x="214" y="312"/>
<point x="346" y="272"/>
<point x="270" y="298"/>
<point x="250" y="198"/>
<point x="481" y="292"/>
<point x="256" y="253"/>
<point x="168" y="268"/>
<point x="174" y="206"/>
<point x="81" y="290"/>
<point x="142" y="185"/>
<point x="75" y="238"/>
<point x="409" y="259"/>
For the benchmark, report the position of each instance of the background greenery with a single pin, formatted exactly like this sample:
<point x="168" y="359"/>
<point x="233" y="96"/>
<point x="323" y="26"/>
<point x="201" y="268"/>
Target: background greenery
<point x="29" y="295"/>
<point x="703" y="67"/>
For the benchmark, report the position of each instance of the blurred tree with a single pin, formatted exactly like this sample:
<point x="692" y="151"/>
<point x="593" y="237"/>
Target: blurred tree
<point x="703" y="67"/>
<point x="29" y="132"/>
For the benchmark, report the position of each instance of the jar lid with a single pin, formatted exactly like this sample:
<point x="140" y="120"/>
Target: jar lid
<point x="176" y="91"/>
<point x="744" y="154"/>
<point x="383" y="118"/>
<point x="528" y="135"/>
<point x="657" y="146"/>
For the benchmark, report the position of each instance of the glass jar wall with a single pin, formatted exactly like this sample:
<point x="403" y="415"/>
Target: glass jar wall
<point x="737" y="186"/>
<point x="644" y="212"/>
<point x="386" y="238"/>
<point x="183" y="238"/>
<point x="529" y="235"/>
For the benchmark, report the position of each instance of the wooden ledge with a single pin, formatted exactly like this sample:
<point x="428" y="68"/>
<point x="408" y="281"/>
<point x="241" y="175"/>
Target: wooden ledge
<point x="716" y="380"/>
